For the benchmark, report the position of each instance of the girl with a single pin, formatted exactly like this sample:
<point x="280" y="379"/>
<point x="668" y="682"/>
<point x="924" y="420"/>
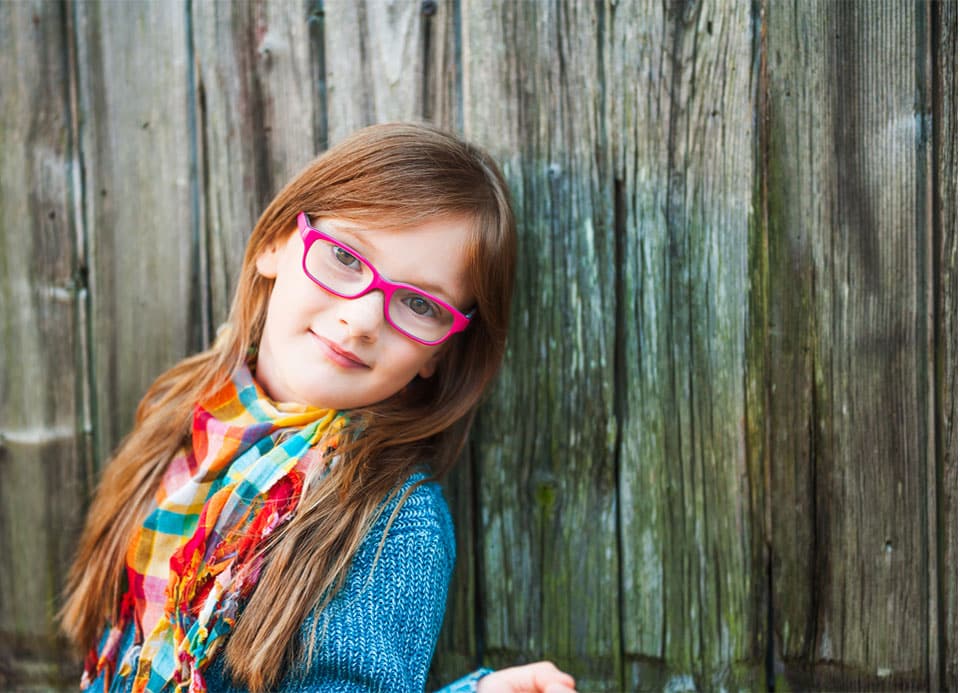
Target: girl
<point x="272" y="522"/>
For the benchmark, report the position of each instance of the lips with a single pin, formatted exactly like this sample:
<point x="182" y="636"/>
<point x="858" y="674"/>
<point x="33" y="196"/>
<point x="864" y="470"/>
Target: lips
<point x="338" y="355"/>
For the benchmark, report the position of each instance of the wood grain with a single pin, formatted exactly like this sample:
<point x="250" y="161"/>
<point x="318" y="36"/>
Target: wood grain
<point x="683" y="144"/>
<point x="944" y="21"/>
<point x="849" y="248"/>
<point x="138" y="201"/>
<point x="443" y="62"/>
<point x="235" y="174"/>
<point x="374" y="63"/>
<point x="459" y="647"/>
<point x="723" y="450"/>
<point x="255" y="109"/>
<point x="287" y="76"/>
<point x="545" y="444"/>
<point x="44" y="457"/>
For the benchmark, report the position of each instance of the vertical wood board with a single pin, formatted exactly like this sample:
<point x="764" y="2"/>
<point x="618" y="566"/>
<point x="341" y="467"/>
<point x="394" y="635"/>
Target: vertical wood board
<point x="545" y="441"/>
<point x="138" y="200"/>
<point x="374" y="63"/>
<point x="229" y="104"/>
<point x="848" y="166"/>
<point x="458" y="648"/>
<point x="290" y="96"/>
<point x="43" y="452"/>
<point x="442" y="89"/>
<point x="683" y="142"/>
<point x="638" y="106"/>
<point x="256" y="107"/>
<point x="799" y="143"/>
<point x="945" y="217"/>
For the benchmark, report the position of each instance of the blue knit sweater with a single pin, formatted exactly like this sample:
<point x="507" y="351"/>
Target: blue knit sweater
<point x="378" y="632"/>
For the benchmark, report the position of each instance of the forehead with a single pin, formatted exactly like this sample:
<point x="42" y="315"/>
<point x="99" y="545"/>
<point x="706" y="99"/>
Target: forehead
<point x="432" y="255"/>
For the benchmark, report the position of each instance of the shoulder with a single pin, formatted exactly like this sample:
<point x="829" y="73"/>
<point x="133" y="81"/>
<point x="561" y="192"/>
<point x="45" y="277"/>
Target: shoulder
<point x="414" y="510"/>
<point x="417" y="504"/>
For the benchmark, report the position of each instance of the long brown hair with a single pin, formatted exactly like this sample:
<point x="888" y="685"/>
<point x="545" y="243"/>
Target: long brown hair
<point x="399" y="174"/>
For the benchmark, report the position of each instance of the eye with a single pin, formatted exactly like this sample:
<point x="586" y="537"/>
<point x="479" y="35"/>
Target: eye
<point x="421" y="306"/>
<point x="345" y="258"/>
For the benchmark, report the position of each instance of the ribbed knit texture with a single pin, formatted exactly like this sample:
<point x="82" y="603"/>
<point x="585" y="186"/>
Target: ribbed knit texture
<point x="379" y="631"/>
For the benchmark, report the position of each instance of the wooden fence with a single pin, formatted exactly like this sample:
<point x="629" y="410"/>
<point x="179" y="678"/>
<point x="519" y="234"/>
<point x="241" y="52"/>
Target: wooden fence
<point x="723" y="450"/>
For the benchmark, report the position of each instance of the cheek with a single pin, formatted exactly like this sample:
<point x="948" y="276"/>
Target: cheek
<point x="405" y="357"/>
<point x="293" y="299"/>
<point x="279" y="309"/>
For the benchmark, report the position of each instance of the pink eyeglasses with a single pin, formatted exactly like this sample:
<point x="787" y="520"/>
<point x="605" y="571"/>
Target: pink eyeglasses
<point x="342" y="271"/>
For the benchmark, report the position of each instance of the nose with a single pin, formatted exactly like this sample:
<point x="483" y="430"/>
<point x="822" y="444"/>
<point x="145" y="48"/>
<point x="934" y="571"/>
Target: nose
<point x="363" y="316"/>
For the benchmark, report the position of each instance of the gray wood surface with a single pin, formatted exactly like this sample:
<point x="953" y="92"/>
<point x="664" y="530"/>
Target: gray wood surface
<point x="723" y="449"/>
<point x="374" y="63"/>
<point x="139" y="200"/>
<point x="852" y="481"/>
<point x="255" y="105"/>
<point x="235" y="173"/>
<point x="944" y="214"/>
<point x="44" y="451"/>
<point x="285" y="51"/>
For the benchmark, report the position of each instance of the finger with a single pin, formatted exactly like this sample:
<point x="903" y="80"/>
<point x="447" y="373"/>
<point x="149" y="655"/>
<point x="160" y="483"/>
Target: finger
<point x="559" y="688"/>
<point x="547" y="674"/>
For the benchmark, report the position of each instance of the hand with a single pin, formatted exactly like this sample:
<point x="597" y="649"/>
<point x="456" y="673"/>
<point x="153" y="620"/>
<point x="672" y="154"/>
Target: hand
<point x="542" y="677"/>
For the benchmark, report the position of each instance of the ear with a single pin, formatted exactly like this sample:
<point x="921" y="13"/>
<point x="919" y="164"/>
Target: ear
<point x="268" y="261"/>
<point x="430" y="367"/>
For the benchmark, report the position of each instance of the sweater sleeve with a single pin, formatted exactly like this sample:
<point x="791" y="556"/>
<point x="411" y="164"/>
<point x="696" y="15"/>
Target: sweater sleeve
<point x="379" y="631"/>
<point x="380" y="635"/>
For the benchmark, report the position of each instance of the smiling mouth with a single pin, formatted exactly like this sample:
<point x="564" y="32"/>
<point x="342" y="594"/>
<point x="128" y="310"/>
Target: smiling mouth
<point x="339" y="355"/>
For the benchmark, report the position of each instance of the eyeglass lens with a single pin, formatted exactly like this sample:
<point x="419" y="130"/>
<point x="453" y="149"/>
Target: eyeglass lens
<point x="338" y="270"/>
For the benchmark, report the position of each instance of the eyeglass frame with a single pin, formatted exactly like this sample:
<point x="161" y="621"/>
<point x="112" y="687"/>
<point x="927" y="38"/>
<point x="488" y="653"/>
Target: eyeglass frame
<point x="310" y="234"/>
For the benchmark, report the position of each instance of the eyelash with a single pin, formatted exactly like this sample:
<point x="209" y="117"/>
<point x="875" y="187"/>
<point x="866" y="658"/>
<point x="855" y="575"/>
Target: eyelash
<point x="433" y="309"/>
<point x="340" y="251"/>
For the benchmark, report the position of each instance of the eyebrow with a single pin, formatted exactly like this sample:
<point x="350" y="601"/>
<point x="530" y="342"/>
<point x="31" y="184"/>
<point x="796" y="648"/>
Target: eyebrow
<point x="356" y="243"/>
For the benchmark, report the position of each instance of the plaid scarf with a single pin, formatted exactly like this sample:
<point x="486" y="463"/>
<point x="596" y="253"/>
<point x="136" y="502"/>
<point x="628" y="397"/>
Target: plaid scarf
<point x="196" y="555"/>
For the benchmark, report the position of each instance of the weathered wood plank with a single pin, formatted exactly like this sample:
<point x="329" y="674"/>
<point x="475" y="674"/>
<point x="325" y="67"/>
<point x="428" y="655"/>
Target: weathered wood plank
<point x="374" y="63"/>
<point x="288" y="87"/>
<point x="545" y="444"/>
<point x="681" y="93"/>
<point x="458" y="648"/>
<point x="945" y="318"/>
<point x="796" y="144"/>
<point x="849" y="252"/>
<point x="138" y="201"/>
<point x="44" y="460"/>
<point x="229" y="104"/>
<point x="442" y="88"/>
<point x="256" y="119"/>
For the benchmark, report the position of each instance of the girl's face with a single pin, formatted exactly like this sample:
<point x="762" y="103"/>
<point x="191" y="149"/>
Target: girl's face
<point x="338" y="353"/>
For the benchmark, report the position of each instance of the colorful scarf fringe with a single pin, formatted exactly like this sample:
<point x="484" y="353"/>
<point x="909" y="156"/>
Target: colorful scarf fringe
<point x="196" y="555"/>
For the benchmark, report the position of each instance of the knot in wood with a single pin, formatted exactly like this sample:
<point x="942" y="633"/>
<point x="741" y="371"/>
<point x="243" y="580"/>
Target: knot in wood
<point x="544" y="490"/>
